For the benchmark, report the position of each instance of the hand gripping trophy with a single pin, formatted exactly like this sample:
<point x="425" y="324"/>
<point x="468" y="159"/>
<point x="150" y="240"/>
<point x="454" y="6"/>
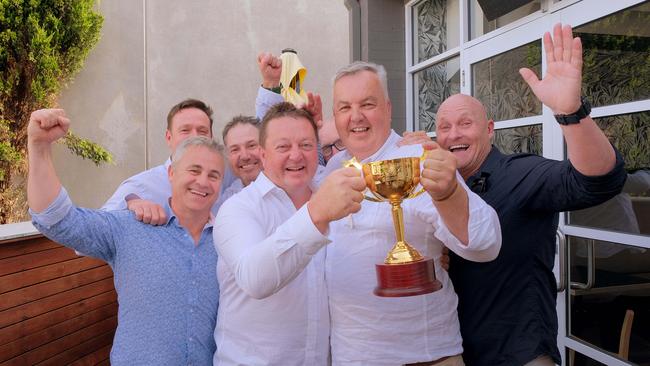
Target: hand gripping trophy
<point x="405" y="272"/>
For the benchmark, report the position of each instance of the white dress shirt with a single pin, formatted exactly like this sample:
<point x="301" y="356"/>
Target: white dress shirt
<point x="273" y="305"/>
<point x="371" y="330"/>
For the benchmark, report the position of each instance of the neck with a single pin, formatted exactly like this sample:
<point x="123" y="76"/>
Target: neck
<point x="192" y="220"/>
<point x="299" y="198"/>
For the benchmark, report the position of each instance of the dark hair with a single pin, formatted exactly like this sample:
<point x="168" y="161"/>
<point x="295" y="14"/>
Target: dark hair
<point x="239" y="120"/>
<point x="189" y="103"/>
<point x="285" y="109"/>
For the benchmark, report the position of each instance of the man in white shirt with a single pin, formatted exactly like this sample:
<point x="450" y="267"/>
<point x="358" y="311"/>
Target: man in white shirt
<point x="367" y="329"/>
<point x="146" y="193"/>
<point x="241" y="136"/>
<point x="273" y="305"/>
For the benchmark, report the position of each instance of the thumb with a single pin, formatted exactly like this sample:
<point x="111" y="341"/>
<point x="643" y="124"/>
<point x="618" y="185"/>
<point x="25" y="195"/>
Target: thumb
<point x="430" y="145"/>
<point x="529" y="77"/>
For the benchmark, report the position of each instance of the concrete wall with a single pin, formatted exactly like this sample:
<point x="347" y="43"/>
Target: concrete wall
<point x="153" y="54"/>
<point x="382" y="42"/>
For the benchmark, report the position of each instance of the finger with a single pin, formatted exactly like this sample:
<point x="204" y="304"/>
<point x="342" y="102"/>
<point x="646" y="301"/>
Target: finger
<point x="155" y="217"/>
<point x="358" y="184"/>
<point x="530" y="78"/>
<point x="146" y="215"/>
<point x="558" y="46"/>
<point x="576" y="59"/>
<point x="567" y="42"/>
<point x="64" y="123"/>
<point x="430" y="145"/>
<point x="350" y="172"/>
<point x="548" y="48"/>
<point x="139" y="213"/>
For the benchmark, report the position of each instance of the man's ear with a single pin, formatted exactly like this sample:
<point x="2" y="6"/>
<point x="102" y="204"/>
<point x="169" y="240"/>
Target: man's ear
<point x="168" y="139"/>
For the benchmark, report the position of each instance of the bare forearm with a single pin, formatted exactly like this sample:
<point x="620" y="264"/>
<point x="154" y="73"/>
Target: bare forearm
<point x="43" y="185"/>
<point x="588" y="148"/>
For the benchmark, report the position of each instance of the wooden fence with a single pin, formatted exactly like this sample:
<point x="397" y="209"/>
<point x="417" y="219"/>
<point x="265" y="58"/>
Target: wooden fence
<point x="56" y="308"/>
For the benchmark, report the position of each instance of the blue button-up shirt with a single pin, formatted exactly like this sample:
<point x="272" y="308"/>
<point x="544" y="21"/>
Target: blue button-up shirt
<point x="166" y="285"/>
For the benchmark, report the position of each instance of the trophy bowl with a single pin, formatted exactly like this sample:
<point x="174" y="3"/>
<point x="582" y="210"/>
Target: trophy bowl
<point x="405" y="272"/>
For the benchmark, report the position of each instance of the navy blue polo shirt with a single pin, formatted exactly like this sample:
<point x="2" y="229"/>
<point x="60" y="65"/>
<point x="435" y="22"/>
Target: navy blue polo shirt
<point x="507" y="307"/>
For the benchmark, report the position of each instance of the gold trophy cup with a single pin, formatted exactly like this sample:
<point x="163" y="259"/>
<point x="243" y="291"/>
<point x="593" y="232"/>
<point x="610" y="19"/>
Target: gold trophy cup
<point x="405" y="272"/>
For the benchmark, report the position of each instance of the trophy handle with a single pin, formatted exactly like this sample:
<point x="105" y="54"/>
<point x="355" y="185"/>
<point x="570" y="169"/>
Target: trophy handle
<point x="415" y="194"/>
<point x="373" y="199"/>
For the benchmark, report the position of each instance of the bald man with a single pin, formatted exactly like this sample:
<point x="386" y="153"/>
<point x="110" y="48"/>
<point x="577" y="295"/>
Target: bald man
<point x="507" y="307"/>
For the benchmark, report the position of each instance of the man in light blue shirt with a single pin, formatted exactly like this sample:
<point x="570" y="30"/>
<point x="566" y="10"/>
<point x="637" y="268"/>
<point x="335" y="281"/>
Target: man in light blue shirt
<point x="164" y="275"/>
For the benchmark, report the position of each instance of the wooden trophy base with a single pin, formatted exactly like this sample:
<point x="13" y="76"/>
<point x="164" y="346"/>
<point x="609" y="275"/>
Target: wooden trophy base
<point x="408" y="279"/>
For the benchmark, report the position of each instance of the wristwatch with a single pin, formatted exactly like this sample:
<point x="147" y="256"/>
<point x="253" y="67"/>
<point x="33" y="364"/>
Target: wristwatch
<point x="570" y="119"/>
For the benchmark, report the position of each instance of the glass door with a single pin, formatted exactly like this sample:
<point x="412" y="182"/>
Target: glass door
<point x="603" y="261"/>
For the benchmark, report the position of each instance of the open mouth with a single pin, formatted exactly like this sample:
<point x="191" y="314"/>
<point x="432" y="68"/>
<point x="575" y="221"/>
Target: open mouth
<point x="199" y="193"/>
<point x="460" y="147"/>
<point x="296" y="169"/>
<point x="248" y="166"/>
<point x="359" y="129"/>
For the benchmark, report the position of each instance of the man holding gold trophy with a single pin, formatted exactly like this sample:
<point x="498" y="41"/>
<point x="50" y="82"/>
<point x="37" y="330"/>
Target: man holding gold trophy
<point x="396" y="327"/>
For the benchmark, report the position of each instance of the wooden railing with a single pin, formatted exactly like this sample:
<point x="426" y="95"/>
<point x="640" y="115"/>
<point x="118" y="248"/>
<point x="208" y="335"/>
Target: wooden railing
<point x="56" y="308"/>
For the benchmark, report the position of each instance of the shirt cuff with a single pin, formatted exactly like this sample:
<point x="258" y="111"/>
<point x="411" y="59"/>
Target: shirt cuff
<point x="55" y="212"/>
<point x="304" y="233"/>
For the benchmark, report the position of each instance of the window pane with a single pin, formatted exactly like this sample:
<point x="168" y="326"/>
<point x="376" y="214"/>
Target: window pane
<point x="617" y="56"/>
<point x="432" y="86"/>
<point x="525" y="139"/>
<point x="621" y="283"/>
<point x="435" y="28"/>
<point x="479" y="25"/>
<point x="497" y="84"/>
<point x="629" y="211"/>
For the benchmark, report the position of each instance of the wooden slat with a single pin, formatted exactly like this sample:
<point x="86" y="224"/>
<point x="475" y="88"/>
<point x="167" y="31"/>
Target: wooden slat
<point x="58" y="285"/>
<point x="26" y="246"/>
<point x="38" y="259"/>
<point x="35" y="308"/>
<point x="43" y="321"/>
<point x="94" y="358"/>
<point x="33" y="276"/>
<point x="34" y="340"/>
<point x="61" y="350"/>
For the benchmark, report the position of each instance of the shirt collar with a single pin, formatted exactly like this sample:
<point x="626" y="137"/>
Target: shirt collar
<point x="390" y="143"/>
<point x="264" y="185"/>
<point x="168" y="162"/>
<point x="171" y="216"/>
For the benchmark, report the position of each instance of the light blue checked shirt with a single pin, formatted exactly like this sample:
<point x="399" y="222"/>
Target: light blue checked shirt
<point x="166" y="285"/>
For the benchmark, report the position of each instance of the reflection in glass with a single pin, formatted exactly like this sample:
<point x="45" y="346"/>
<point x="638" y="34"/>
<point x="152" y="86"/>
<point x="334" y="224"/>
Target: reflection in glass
<point x="479" y="25"/>
<point x="525" y="139"/>
<point x="435" y="28"/>
<point x="433" y="85"/>
<point x="497" y="84"/>
<point x="629" y="211"/>
<point x="617" y="56"/>
<point x="621" y="282"/>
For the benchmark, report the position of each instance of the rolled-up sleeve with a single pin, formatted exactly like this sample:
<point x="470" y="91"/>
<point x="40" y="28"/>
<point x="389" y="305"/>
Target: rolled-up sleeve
<point x="483" y="228"/>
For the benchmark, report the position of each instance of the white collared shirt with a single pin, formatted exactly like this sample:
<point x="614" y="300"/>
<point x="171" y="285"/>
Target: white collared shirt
<point x="371" y="330"/>
<point x="273" y="305"/>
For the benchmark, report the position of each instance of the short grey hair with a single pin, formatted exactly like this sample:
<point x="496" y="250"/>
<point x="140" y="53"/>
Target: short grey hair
<point x="358" y="66"/>
<point x="196" y="141"/>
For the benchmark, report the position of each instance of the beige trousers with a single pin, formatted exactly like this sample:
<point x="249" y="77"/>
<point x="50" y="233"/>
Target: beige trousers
<point x="449" y="361"/>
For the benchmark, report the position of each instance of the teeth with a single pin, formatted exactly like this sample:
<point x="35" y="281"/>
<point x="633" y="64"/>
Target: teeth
<point x="247" y="166"/>
<point x="455" y="147"/>
<point x="360" y="129"/>
<point x="202" y="194"/>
